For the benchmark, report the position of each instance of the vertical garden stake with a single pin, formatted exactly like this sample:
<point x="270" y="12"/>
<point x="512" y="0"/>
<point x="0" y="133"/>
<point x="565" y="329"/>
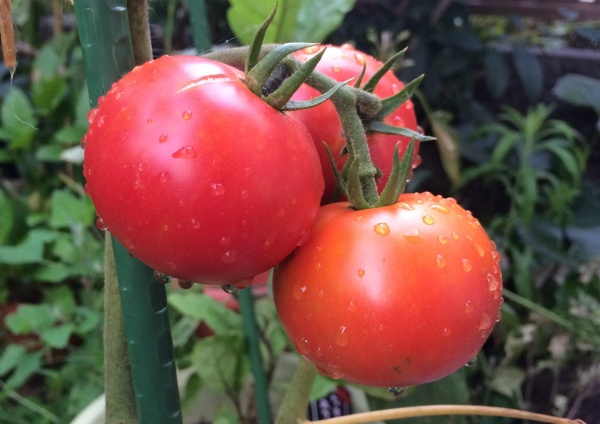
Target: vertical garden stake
<point x="108" y="55"/>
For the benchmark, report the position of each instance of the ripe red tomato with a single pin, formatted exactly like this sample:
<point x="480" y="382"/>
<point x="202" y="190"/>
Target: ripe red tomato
<point x="198" y="177"/>
<point x="392" y="296"/>
<point x="341" y="64"/>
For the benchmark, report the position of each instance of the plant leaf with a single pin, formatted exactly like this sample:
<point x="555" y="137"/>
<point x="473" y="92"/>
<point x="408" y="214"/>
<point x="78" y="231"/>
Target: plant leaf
<point x="579" y="90"/>
<point x="530" y="72"/>
<point x="317" y="19"/>
<point x="497" y="73"/>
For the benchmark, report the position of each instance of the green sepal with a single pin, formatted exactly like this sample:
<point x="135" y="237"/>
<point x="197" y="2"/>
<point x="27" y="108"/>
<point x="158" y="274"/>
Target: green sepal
<point x="381" y="127"/>
<point x="398" y="176"/>
<point x="305" y="104"/>
<point x="339" y="179"/>
<point x="376" y="77"/>
<point x="355" y="191"/>
<point x="257" y="42"/>
<point x="361" y="76"/>
<point x="260" y="73"/>
<point x="286" y="90"/>
<point x="390" y="104"/>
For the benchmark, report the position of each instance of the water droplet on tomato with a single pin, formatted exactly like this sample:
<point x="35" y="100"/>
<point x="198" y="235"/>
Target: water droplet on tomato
<point x="361" y="272"/>
<point x="186" y="152"/>
<point x="217" y="189"/>
<point x="229" y="257"/>
<point x="187" y="115"/>
<point x="302" y="346"/>
<point x="244" y="194"/>
<point x="447" y="332"/>
<point x="163" y="138"/>
<point x="413" y="236"/>
<point x="359" y="58"/>
<point x="439" y="208"/>
<point x="311" y="50"/>
<point x="341" y="339"/>
<point x="466" y="264"/>
<point x="185" y="285"/>
<point x="480" y="250"/>
<point x="91" y="115"/>
<point x="469" y="307"/>
<point x="485" y="322"/>
<point x="471" y="362"/>
<point x="195" y="223"/>
<point x="455" y="236"/>
<point x="336" y="69"/>
<point x="382" y="229"/>
<point x="304" y="236"/>
<point x="493" y="282"/>
<point x="162" y="278"/>
<point x="82" y="142"/>
<point x="269" y="241"/>
<point x="406" y="206"/>
<point x="398" y="121"/>
<point x="352" y="305"/>
<point x="229" y="288"/>
<point x="395" y="88"/>
<point x="428" y="220"/>
<point x="224" y="241"/>
<point x="128" y="243"/>
<point x="333" y="371"/>
<point x="100" y="122"/>
<point x="101" y="225"/>
<point x="496" y="256"/>
<point x="299" y="290"/>
<point x="163" y="177"/>
<point x="442" y="240"/>
<point x="149" y="120"/>
<point x="397" y="391"/>
<point x="440" y="261"/>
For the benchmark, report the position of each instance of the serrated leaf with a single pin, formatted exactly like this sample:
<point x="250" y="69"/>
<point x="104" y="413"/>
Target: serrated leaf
<point x="220" y="361"/>
<point x="67" y="210"/>
<point x="317" y="19"/>
<point x="244" y="16"/>
<point x="203" y="307"/>
<point x="497" y="73"/>
<point x="530" y="72"/>
<point x="30" y="250"/>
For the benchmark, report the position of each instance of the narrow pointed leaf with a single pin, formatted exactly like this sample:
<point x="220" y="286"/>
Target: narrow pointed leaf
<point x="257" y="42"/>
<point x="355" y="192"/>
<point x="390" y="104"/>
<point x="286" y="90"/>
<point x="398" y="176"/>
<point x="260" y="73"/>
<point x="360" y="77"/>
<point x="376" y="77"/>
<point x="341" y="185"/>
<point x="305" y="104"/>
<point x="378" y="126"/>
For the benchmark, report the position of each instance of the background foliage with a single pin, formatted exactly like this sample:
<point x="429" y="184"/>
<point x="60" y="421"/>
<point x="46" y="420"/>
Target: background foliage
<point x="517" y="133"/>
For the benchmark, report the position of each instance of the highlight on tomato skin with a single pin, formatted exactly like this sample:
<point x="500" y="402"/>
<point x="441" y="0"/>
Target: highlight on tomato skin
<point x="342" y="63"/>
<point x="393" y="296"/>
<point x="197" y="176"/>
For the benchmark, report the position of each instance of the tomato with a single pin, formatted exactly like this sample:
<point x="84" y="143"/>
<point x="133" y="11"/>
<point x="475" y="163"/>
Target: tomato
<point x="393" y="296"/>
<point x="341" y="64"/>
<point x="198" y="177"/>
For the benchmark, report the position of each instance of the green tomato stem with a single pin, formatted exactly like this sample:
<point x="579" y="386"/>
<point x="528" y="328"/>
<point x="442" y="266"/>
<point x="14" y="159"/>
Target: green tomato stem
<point x="295" y="402"/>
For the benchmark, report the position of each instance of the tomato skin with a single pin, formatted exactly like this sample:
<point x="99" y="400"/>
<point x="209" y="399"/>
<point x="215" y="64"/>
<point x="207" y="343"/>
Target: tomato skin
<point x="342" y="63"/>
<point x="393" y="296"/>
<point x="198" y="177"/>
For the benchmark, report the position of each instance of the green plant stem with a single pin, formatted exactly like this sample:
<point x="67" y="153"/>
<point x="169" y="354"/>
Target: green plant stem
<point x="169" y="25"/>
<point x="261" y="388"/>
<point x="538" y="309"/>
<point x="119" y="394"/>
<point x="295" y="402"/>
<point x="27" y="403"/>
<point x="137" y="11"/>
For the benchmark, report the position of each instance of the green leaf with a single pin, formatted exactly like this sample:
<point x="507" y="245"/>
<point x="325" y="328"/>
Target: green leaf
<point x="70" y="135"/>
<point x="322" y="387"/>
<point x="530" y="72"/>
<point x="67" y="210"/>
<point x="58" y="336"/>
<point x="497" y="73"/>
<point x="30" y="250"/>
<point x="203" y="307"/>
<point x="49" y="153"/>
<point x="220" y="361"/>
<point x="30" y="319"/>
<point x="507" y="380"/>
<point x="244" y="16"/>
<point x="53" y="272"/>
<point x="317" y="19"/>
<point x="579" y="90"/>
<point x="29" y="364"/>
<point x="47" y="62"/>
<point x="18" y="119"/>
<point x="378" y="126"/>
<point x="7" y="214"/>
<point x="10" y="358"/>
<point x="562" y="152"/>
<point x="48" y="93"/>
<point x="503" y="147"/>
<point x="390" y="104"/>
<point x="82" y="107"/>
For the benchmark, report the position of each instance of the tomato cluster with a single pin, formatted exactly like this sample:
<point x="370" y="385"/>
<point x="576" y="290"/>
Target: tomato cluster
<point x="202" y="179"/>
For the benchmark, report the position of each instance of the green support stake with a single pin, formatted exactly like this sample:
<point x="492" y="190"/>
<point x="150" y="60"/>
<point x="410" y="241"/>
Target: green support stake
<point x="199" y="23"/>
<point x="106" y="42"/>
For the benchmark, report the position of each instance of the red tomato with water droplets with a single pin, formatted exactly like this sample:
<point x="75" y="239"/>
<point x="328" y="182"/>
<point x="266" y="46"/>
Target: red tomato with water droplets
<point x="392" y="296"/>
<point x="197" y="176"/>
<point x="341" y="64"/>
